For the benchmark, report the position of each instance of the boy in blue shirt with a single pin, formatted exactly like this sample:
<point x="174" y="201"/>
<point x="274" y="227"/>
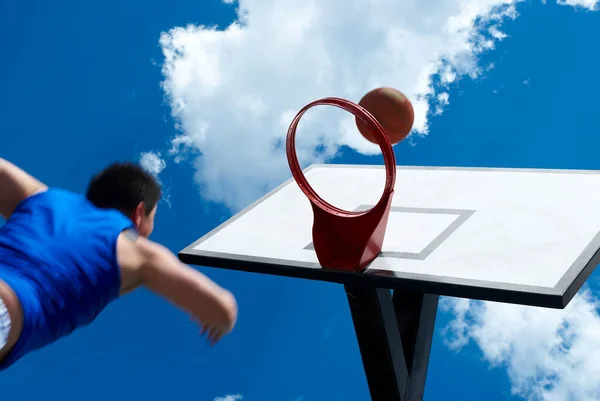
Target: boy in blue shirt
<point x="64" y="257"/>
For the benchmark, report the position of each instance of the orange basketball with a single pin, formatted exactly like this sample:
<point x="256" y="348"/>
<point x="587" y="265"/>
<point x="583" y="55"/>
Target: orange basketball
<point x="392" y="110"/>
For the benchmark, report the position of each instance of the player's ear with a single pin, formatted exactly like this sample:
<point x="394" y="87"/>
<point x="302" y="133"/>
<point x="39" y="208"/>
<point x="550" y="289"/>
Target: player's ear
<point x="138" y="214"/>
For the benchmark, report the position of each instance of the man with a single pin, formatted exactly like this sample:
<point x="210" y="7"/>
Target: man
<point x="64" y="257"/>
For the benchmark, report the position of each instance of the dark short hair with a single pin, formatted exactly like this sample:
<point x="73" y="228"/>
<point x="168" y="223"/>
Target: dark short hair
<point x="123" y="186"/>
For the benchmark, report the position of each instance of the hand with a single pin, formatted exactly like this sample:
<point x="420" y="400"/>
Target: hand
<point x="213" y="335"/>
<point x="215" y="331"/>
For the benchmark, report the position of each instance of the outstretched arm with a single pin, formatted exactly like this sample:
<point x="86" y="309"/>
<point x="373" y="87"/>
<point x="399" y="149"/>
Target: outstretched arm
<point x="15" y="186"/>
<point x="159" y="269"/>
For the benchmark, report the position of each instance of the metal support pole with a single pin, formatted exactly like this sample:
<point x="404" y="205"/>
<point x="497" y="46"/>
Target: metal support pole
<point x="394" y="337"/>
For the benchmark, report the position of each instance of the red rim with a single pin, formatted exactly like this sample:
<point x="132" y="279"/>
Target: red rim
<point x="366" y="118"/>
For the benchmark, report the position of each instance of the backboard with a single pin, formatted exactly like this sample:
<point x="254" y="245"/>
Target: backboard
<point x="509" y="235"/>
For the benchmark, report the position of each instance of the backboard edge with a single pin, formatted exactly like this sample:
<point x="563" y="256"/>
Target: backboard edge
<point x="569" y="290"/>
<point x="513" y="294"/>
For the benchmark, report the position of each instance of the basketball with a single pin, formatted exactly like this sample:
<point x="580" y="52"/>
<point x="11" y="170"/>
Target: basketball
<point x="392" y="110"/>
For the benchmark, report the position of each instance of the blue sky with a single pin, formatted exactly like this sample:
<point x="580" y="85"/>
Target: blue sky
<point x="81" y="86"/>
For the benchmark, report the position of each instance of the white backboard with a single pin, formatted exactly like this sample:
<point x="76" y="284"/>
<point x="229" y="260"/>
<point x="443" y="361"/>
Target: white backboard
<point x="509" y="235"/>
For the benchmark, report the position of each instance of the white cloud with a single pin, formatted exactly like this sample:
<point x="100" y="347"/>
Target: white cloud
<point x="235" y="91"/>
<point x="550" y="355"/>
<point x="497" y="33"/>
<point x="591" y="5"/>
<point x="152" y="162"/>
<point x="236" y="397"/>
<point x="178" y="146"/>
<point x="443" y="99"/>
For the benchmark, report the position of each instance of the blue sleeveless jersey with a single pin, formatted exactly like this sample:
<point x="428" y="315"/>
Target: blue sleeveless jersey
<point x="58" y="253"/>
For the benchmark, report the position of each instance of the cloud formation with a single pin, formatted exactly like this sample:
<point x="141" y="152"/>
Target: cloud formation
<point x="233" y="92"/>
<point x="549" y="354"/>
<point x="152" y="162"/>
<point x="236" y="397"/>
<point x="155" y="164"/>
<point x="591" y="5"/>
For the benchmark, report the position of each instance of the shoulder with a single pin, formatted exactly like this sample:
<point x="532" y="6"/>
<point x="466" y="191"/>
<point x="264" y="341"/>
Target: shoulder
<point x="17" y="185"/>
<point x="51" y="198"/>
<point x="134" y="255"/>
<point x="132" y="249"/>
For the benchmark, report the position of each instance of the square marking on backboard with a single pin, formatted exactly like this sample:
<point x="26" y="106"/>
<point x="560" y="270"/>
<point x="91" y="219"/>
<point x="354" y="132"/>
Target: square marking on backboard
<point x="434" y="227"/>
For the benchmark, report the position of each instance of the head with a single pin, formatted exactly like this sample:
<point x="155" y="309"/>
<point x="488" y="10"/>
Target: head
<point x="130" y="189"/>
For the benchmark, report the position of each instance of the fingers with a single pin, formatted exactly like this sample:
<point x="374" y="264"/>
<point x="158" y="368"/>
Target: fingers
<point x="213" y="335"/>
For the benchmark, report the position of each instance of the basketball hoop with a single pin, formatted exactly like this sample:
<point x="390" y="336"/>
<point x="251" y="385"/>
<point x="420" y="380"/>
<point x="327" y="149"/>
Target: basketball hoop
<point x="342" y="239"/>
